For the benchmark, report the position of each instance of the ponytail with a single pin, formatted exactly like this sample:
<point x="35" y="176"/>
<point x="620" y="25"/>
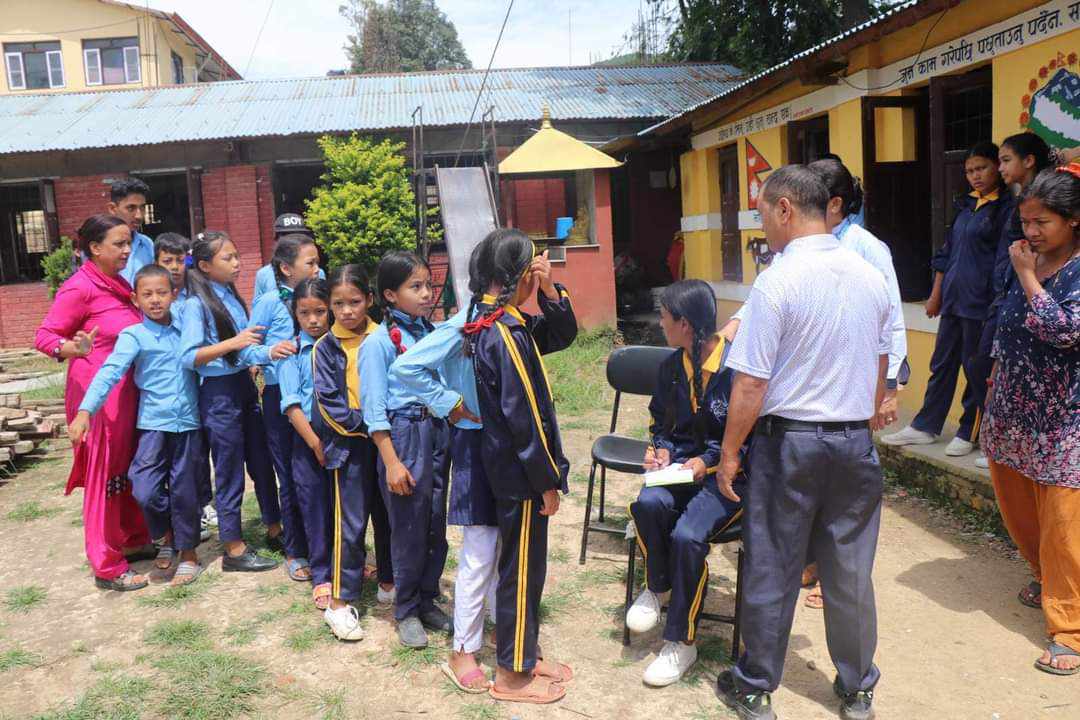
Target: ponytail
<point x="204" y="248"/>
<point x="695" y="301"/>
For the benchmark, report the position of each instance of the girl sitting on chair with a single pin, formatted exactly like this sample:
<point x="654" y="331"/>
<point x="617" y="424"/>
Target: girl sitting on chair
<point x="676" y="522"/>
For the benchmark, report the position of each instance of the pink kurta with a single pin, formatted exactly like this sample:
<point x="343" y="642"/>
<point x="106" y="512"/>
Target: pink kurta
<point x="111" y="518"/>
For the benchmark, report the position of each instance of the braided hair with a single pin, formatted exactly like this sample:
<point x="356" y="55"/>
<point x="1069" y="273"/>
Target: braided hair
<point x="394" y="270"/>
<point x="501" y="258"/>
<point x="310" y="288"/>
<point x="695" y="301"/>
<point x="203" y="249"/>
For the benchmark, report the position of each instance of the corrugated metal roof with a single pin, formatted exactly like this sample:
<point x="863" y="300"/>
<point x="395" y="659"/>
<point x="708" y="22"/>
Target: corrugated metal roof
<point x="733" y="87"/>
<point x="247" y="109"/>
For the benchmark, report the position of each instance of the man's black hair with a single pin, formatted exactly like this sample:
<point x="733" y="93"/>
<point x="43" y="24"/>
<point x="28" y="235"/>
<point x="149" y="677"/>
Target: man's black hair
<point x="152" y="271"/>
<point x="801" y="186"/>
<point x="128" y="186"/>
<point x="172" y="243"/>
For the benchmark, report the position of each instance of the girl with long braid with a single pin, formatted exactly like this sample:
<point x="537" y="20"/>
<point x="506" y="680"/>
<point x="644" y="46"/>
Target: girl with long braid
<point x="675" y="522"/>
<point x="412" y="445"/>
<point x="439" y="371"/>
<point x="520" y="447"/>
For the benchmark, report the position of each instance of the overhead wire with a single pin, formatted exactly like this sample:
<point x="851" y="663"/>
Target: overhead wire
<point x="918" y="55"/>
<point x="483" y="83"/>
<point x="258" y="37"/>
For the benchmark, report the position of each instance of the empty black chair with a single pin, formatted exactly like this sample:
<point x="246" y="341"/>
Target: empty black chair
<point x="732" y="533"/>
<point x="632" y="369"/>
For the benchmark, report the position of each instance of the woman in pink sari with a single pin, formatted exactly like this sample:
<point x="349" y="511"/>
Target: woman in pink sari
<point x="87" y="315"/>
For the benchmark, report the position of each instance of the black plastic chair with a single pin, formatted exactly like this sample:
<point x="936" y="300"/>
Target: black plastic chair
<point x="729" y="535"/>
<point x="633" y="370"/>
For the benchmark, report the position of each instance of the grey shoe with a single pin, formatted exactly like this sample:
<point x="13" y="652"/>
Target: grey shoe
<point x="435" y="619"/>
<point x="410" y="632"/>
<point x="854" y="705"/>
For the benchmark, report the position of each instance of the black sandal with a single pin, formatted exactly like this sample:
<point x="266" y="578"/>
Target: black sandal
<point x="1031" y="596"/>
<point x="1057" y="650"/>
<point x="122" y="583"/>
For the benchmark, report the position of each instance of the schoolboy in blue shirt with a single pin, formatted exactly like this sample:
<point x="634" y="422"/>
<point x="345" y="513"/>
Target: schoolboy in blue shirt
<point x="170" y="440"/>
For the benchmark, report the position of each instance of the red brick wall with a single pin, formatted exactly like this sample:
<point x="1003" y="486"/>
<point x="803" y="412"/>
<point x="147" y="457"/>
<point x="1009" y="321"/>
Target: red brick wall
<point x="22" y="308"/>
<point x="77" y="198"/>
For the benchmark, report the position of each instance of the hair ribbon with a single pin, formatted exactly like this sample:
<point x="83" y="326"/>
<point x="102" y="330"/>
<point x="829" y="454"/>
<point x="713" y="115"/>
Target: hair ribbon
<point x="1072" y="168"/>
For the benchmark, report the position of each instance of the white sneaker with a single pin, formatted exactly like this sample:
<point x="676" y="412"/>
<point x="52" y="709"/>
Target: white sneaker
<point x="209" y="515"/>
<point x="909" y="436"/>
<point x="644" y="613"/>
<point x="386" y="597"/>
<point x="344" y="622"/>
<point x="675" y="658"/>
<point x="959" y="447"/>
<point x="982" y="462"/>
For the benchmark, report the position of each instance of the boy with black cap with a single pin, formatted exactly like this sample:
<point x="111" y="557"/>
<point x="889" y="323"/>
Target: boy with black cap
<point x="286" y="224"/>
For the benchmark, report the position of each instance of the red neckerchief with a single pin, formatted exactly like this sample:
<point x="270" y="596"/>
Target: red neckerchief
<point x="485" y="322"/>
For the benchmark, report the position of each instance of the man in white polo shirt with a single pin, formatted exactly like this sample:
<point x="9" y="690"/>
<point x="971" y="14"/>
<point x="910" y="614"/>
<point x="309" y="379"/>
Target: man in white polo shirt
<point x="810" y="361"/>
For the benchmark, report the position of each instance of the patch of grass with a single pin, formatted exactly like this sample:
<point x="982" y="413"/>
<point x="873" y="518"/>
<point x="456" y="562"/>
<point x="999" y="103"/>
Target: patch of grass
<point x="559" y="555"/>
<point x="172" y="597"/>
<point x="705" y="712"/>
<point x="554" y="605"/>
<point x="479" y="711"/>
<point x="330" y="704"/>
<point x="186" y="634"/>
<point x="242" y="633"/>
<point x="110" y="698"/>
<point x="51" y="390"/>
<point x="79" y="647"/>
<point x="601" y="575"/>
<point x="451" y="559"/>
<point x="32" y="510"/>
<point x="210" y="685"/>
<point x="105" y="666"/>
<point x="25" y="598"/>
<point x="409" y="660"/>
<point x="77" y="520"/>
<point x="270" y="591"/>
<point x="306" y="638"/>
<point x="712" y="658"/>
<point x="622" y="663"/>
<point x="578" y="382"/>
<point x="17" y="657"/>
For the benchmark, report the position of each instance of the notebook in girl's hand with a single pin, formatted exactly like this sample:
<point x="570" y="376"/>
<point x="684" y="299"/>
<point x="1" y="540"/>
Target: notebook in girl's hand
<point x="673" y="474"/>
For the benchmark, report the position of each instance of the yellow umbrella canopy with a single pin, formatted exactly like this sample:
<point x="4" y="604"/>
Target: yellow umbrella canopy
<point x="551" y="151"/>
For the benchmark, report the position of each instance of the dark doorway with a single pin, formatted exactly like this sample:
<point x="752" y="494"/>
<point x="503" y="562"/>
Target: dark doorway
<point x="167" y="208"/>
<point x="896" y="167"/>
<point x="294" y="185"/>
<point x="730" y="238"/>
<point x="27" y="231"/>
<point x="808" y="140"/>
<point x="961" y="108"/>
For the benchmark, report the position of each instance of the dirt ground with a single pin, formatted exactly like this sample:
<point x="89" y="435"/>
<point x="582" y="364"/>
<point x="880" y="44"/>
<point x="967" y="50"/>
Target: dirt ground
<point x="954" y="642"/>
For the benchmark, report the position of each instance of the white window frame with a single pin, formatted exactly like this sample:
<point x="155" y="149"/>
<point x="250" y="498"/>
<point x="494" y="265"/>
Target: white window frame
<point x="92" y="53"/>
<point x="136" y="76"/>
<point x="17" y="57"/>
<point x="49" y="68"/>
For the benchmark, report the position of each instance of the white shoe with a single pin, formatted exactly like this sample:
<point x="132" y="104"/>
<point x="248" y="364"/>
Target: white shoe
<point x="644" y="614"/>
<point x="209" y="515"/>
<point x="386" y="597"/>
<point x="909" y="436"/>
<point x="982" y="462"/>
<point x="344" y="622"/>
<point x="959" y="447"/>
<point x="674" y="660"/>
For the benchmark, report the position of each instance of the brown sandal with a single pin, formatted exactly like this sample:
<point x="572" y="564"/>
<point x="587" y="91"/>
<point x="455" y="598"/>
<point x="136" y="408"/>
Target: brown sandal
<point x="564" y="673"/>
<point x="814" y="599"/>
<point x="321" y="595"/>
<point x="539" y="691"/>
<point x="1031" y="596"/>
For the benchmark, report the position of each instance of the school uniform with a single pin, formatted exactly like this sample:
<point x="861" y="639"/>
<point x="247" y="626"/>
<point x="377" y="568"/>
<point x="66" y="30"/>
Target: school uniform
<point x="523" y="458"/>
<point x="142" y="254"/>
<point x="206" y="489"/>
<point x="418" y="521"/>
<point x="272" y="312"/>
<point x="967" y="260"/>
<point x="266" y="281"/>
<point x="312" y="490"/>
<point x="164" y="470"/>
<point x="675" y="523"/>
<point x="350" y="461"/>
<point x="229" y="411"/>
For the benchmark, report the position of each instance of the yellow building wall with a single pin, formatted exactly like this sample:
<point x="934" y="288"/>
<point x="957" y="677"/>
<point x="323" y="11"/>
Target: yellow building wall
<point x="701" y="196"/>
<point x="772" y="144"/>
<point x="842" y="139"/>
<point x="22" y="20"/>
<point x="1015" y="73"/>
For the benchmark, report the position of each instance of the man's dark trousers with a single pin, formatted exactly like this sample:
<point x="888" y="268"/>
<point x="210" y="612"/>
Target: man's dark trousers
<point x="817" y="490"/>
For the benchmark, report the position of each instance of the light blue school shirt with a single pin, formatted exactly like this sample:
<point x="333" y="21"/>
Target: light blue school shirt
<point x="168" y="393"/>
<point x="273" y="314"/>
<point x="200" y="331"/>
<point x="142" y="253"/>
<point x="437" y="373"/>
<point x="377" y="395"/>
<point x="265" y="281"/>
<point x="296" y="377"/>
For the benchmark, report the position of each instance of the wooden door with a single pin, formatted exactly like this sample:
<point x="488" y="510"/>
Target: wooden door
<point x="897" y="206"/>
<point x="730" y="238"/>
<point x="196" y="214"/>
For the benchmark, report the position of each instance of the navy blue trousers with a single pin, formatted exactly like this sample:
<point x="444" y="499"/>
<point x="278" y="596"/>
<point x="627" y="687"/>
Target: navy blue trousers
<point x="313" y="498"/>
<point x="818" y="492"/>
<point x="165" y="482"/>
<point x="351" y="506"/>
<point x="375" y="509"/>
<point x="674" y="526"/>
<point x="471" y="501"/>
<point x="202" y="473"/>
<point x="523" y="534"/>
<point x="418" y="521"/>
<point x="229" y="406"/>
<point x="279" y="437"/>
<point x="957" y="345"/>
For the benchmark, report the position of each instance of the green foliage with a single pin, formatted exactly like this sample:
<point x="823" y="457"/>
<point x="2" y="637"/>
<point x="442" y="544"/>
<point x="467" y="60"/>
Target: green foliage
<point x="24" y="598"/>
<point x="175" y="596"/>
<point x="401" y="36"/>
<point x="18" y="657"/>
<point x="110" y="698"/>
<point x="59" y="265"/>
<point x="32" y="510"/>
<point x="364" y="207"/>
<point x="577" y="375"/>
<point x="187" y="634"/>
<point x="210" y="685"/>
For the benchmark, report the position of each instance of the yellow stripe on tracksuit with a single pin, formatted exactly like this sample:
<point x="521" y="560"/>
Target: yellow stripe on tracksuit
<point x="699" y="596"/>
<point x="334" y="425"/>
<point x="523" y="585"/>
<point x="337" y="536"/>
<point x="640" y="544"/>
<point x="519" y="365"/>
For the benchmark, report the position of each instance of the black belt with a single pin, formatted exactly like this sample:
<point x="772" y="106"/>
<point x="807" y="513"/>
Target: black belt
<point x="769" y="423"/>
<point x="412" y="412"/>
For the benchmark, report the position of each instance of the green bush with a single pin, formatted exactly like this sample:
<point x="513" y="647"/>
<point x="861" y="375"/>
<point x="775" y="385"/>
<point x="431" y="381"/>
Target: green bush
<point x="365" y="206"/>
<point x="59" y="265"/>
